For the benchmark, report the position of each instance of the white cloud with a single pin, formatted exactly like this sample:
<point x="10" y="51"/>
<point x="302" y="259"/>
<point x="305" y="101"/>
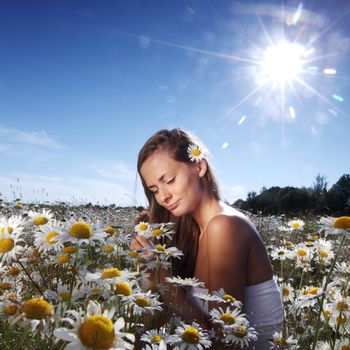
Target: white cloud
<point x="36" y="138"/>
<point x="114" y="170"/>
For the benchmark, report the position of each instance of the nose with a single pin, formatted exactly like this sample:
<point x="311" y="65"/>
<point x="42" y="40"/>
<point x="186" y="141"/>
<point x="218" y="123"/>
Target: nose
<point x="164" y="195"/>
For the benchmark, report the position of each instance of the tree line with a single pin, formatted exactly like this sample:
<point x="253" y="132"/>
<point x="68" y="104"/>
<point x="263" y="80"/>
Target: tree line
<point x="317" y="199"/>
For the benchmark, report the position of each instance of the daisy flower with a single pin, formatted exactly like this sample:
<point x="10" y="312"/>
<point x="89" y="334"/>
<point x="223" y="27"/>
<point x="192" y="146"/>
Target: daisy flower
<point x="10" y="247"/>
<point x="160" y="231"/>
<point x="287" y="292"/>
<point x="144" y="302"/>
<point x="94" y="330"/>
<point x="296" y="224"/>
<point x="190" y="337"/>
<point x="40" y="218"/>
<point x="142" y="228"/>
<point x="82" y="232"/>
<point x="154" y="337"/>
<point x="223" y="297"/>
<point x="240" y="335"/>
<point x="335" y="226"/>
<point x="281" y="342"/>
<point x="279" y="253"/>
<point x="184" y="282"/>
<point x="229" y="317"/>
<point x="8" y="309"/>
<point x="195" y="153"/>
<point x="323" y="250"/>
<point x="14" y="224"/>
<point x="49" y="237"/>
<point x="110" y="275"/>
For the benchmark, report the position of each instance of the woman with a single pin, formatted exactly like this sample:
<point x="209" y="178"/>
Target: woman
<point x="221" y="246"/>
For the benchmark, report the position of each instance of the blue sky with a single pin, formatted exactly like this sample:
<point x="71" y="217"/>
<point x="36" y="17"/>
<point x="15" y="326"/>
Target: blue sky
<point x="84" y="83"/>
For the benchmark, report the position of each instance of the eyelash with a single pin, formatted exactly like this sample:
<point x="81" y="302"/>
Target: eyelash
<point x="169" y="182"/>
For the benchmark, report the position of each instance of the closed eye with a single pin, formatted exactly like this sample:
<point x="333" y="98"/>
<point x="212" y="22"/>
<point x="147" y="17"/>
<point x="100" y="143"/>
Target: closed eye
<point x="171" y="180"/>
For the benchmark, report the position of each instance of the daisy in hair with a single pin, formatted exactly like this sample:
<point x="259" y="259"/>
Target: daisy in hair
<point x="195" y="153"/>
<point x="39" y="218"/>
<point x="94" y="329"/>
<point x="190" y="337"/>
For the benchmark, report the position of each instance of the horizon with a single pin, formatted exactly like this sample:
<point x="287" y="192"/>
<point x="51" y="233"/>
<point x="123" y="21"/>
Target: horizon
<point x="83" y="85"/>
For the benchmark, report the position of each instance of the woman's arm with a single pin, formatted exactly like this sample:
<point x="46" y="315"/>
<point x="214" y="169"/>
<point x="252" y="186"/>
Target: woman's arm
<point x="227" y="254"/>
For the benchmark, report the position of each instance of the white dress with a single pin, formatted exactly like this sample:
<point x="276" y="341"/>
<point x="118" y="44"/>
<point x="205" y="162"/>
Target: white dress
<point x="263" y="308"/>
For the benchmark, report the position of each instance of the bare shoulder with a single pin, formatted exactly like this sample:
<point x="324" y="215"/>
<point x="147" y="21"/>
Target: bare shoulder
<point x="231" y="222"/>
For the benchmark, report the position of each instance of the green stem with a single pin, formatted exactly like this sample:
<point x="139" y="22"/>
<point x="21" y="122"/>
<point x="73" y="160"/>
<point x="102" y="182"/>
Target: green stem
<point x="34" y="283"/>
<point x="318" y="325"/>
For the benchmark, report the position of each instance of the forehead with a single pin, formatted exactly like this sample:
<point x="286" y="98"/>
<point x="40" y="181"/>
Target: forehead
<point x="158" y="164"/>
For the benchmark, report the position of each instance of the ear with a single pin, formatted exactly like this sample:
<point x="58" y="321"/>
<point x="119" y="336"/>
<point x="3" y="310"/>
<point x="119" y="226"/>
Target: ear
<point x="202" y="167"/>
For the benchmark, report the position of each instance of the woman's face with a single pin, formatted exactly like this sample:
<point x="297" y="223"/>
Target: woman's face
<point x="176" y="185"/>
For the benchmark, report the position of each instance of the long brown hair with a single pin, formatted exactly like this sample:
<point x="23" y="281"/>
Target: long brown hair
<point x="176" y="142"/>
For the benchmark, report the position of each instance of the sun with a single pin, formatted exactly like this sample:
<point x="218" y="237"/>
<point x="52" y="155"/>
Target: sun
<point x="282" y="63"/>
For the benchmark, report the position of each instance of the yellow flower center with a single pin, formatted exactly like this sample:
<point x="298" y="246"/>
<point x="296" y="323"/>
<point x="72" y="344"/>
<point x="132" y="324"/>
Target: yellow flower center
<point x="63" y="259"/>
<point x="313" y="291"/>
<point x="132" y="254"/>
<point x="10" y="310"/>
<point x="64" y="295"/>
<point x="156" y="339"/>
<point x="5" y="286"/>
<point x="160" y="248"/>
<point x="228" y="318"/>
<point x="110" y="273"/>
<point x="288" y="243"/>
<point x="107" y="248"/>
<point x="342" y="222"/>
<point x="97" y="332"/>
<point x="241" y="331"/>
<point x="341" y="319"/>
<point x="18" y="206"/>
<point x="49" y="237"/>
<point x="157" y="232"/>
<point x="191" y="335"/>
<point x="69" y="250"/>
<point x="229" y="298"/>
<point x="345" y="347"/>
<point x="285" y="292"/>
<point x="110" y="230"/>
<point x="143" y="227"/>
<point x="14" y="271"/>
<point x="7" y="229"/>
<point x="196" y="152"/>
<point x="295" y="225"/>
<point x="300" y="330"/>
<point x="11" y="296"/>
<point x="142" y="302"/>
<point x="301" y="252"/>
<point x="40" y="220"/>
<point x="81" y="230"/>
<point x="342" y="306"/>
<point x="36" y="309"/>
<point x="123" y="288"/>
<point x="141" y="260"/>
<point x="6" y="245"/>
<point x="324" y="254"/>
<point x="327" y="314"/>
<point x="314" y="238"/>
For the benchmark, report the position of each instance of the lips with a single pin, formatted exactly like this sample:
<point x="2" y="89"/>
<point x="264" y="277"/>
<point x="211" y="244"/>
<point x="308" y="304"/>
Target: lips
<point x="173" y="206"/>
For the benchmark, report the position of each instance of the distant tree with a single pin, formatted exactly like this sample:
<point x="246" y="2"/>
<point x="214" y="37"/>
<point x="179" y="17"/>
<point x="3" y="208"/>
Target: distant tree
<point x="319" y="186"/>
<point x="337" y="198"/>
